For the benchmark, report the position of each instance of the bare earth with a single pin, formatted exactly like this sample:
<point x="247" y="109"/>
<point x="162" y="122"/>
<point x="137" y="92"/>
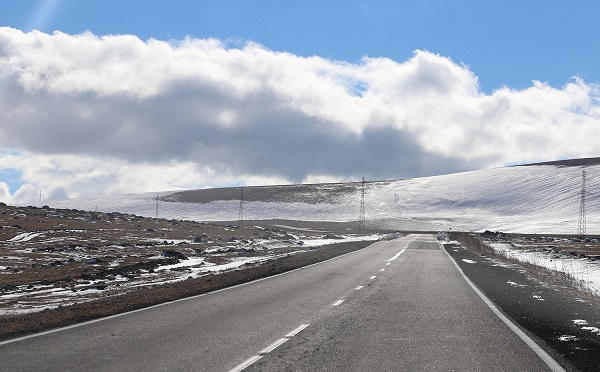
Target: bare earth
<point x="58" y="267"/>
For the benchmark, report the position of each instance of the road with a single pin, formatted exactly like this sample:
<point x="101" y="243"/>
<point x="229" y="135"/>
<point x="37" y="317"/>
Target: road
<point x="396" y="305"/>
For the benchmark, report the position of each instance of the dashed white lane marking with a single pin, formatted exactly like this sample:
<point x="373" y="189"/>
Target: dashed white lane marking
<point x="398" y="254"/>
<point x="293" y="333"/>
<point x="388" y="264"/>
<point x="337" y="303"/>
<point x="382" y="270"/>
<point x="373" y="277"/>
<point x="359" y="287"/>
<point x="248" y="362"/>
<point x="273" y="346"/>
<point x="245" y="364"/>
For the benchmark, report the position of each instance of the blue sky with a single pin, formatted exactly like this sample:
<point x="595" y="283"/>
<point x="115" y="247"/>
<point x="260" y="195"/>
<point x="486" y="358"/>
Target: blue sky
<point x="111" y="97"/>
<point x="509" y="42"/>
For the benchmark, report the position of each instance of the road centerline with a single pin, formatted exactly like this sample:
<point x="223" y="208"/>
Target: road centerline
<point x="337" y="303"/>
<point x="248" y="362"/>
<point x="293" y="333"/>
<point x="274" y="345"/>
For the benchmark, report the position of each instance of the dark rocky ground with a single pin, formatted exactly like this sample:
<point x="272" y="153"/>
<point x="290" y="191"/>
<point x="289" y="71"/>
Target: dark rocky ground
<point x="80" y="265"/>
<point x="18" y="325"/>
<point x="540" y="307"/>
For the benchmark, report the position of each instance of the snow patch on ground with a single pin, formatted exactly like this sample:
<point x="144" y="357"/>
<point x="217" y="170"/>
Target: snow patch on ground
<point x="584" y="272"/>
<point x="567" y="338"/>
<point x="24" y="237"/>
<point x="595" y="330"/>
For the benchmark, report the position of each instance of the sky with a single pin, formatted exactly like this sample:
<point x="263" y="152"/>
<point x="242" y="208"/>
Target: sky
<point x="111" y="97"/>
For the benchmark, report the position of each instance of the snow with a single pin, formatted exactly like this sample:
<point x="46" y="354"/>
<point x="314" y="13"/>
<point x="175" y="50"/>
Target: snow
<point x="586" y="273"/>
<point x="468" y="261"/>
<point x="527" y="199"/>
<point x="595" y="330"/>
<point x="583" y="322"/>
<point x="566" y="338"/>
<point x="24" y="237"/>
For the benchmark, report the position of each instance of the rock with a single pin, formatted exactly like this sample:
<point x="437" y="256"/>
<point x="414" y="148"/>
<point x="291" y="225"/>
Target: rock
<point x="100" y="286"/>
<point x="173" y="254"/>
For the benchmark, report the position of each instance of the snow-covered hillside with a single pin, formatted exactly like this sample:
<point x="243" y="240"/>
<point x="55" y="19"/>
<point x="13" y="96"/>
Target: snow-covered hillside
<point x="528" y="199"/>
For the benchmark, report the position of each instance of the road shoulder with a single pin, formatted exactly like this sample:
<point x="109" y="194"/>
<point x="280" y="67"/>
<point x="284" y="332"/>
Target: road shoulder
<point x="545" y="313"/>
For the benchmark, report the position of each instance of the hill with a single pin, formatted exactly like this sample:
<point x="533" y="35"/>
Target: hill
<point x="537" y="198"/>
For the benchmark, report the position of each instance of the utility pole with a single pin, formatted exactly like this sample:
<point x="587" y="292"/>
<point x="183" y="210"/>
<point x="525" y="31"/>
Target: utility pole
<point x="583" y="193"/>
<point x="241" y="211"/>
<point x="362" y="217"/>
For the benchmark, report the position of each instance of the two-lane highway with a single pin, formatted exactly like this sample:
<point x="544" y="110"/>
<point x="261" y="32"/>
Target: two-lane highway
<point x="396" y="305"/>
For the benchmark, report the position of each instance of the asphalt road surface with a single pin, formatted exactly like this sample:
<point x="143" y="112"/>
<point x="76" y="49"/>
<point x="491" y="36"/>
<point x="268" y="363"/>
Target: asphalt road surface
<point x="398" y="305"/>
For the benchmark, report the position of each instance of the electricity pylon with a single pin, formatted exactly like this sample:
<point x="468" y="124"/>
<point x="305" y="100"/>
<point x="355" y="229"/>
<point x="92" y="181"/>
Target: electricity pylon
<point x="362" y="217"/>
<point x="583" y="193"/>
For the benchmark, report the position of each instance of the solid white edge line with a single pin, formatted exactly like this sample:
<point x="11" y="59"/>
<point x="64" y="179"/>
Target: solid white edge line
<point x="274" y="346"/>
<point x="245" y="364"/>
<point x="550" y="362"/>
<point x="22" y="338"/>
<point x="301" y="328"/>
<point x="338" y="303"/>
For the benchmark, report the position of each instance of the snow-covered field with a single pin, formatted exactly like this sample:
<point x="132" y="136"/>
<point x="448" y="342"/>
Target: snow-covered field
<point x="583" y="272"/>
<point x="525" y="199"/>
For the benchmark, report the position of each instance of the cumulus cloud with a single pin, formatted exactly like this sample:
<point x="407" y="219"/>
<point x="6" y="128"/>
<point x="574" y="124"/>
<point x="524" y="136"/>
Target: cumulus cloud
<point x="88" y="115"/>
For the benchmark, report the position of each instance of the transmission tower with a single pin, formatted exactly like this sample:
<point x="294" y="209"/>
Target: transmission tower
<point x="583" y="193"/>
<point x="241" y="211"/>
<point x="361" y="217"/>
<point x="157" y="198"/>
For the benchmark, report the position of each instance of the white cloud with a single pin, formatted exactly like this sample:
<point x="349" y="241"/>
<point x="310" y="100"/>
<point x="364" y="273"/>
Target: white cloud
<point x="87" y="115"/>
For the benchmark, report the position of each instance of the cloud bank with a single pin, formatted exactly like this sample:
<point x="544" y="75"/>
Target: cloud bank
<point x="84" y="115"/>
